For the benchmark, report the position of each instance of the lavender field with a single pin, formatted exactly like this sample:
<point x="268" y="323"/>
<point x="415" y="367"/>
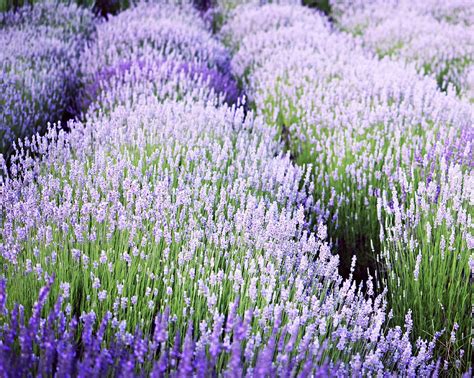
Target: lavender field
<point x="237" y="188"/>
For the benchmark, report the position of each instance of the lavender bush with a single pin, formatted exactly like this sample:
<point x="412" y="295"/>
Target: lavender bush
<point x="39" y="66"/>
<point x="436" y="36"/>
<point x="166" y="78"/>
<point x="57" y="19"/>
<point x="248" y="19"/>
<point x="454" y="11"/>
<point x="155" y="50"/>
<point x="377" y="136"/>
<point x="148" y="32"/>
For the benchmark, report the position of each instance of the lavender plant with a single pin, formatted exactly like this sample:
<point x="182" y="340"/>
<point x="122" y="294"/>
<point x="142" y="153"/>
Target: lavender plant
<point x="407" y="31"/>
<point x="248" y="18"/>
<point x="39" y="67"/>
<point x="53" y="18"/>
<point x="153" y="50"/>
<point x="454" y="11"/>
<point x="165" y="79"/>
<point x="377" y="136"/>
<point x="149" y="31"/>
<point x="35" y="80"/>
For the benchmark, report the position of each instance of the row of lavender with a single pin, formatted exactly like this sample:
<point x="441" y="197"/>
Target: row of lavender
<point x="170" y="234"/>
<point x="150" y="208"/>
<point x="39" y="66"/>
<point x="391" y="160"/>
<point x="149" y="53"/>
<point x="436" y="36"/>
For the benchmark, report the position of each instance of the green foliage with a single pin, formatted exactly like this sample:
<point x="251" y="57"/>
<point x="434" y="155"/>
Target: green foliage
<point x="323" y="5"/>
<point x="101" y="7"/>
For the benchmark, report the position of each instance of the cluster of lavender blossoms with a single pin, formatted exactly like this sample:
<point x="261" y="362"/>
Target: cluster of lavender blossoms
<point x="154" y="50"/>
<point x="436" y="36"/>
<point x="39" y="65"/>
<point x="157" y="354"/>
<point x="172" y="231"/>
<point x="391" y="159"/>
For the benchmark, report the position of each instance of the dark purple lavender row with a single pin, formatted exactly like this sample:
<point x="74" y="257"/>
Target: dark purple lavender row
<point x="53" y="345"/>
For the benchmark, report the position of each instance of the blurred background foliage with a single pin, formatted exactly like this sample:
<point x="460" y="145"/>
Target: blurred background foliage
<point x="104" y="7"/>
<point x="322" y="5"/>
